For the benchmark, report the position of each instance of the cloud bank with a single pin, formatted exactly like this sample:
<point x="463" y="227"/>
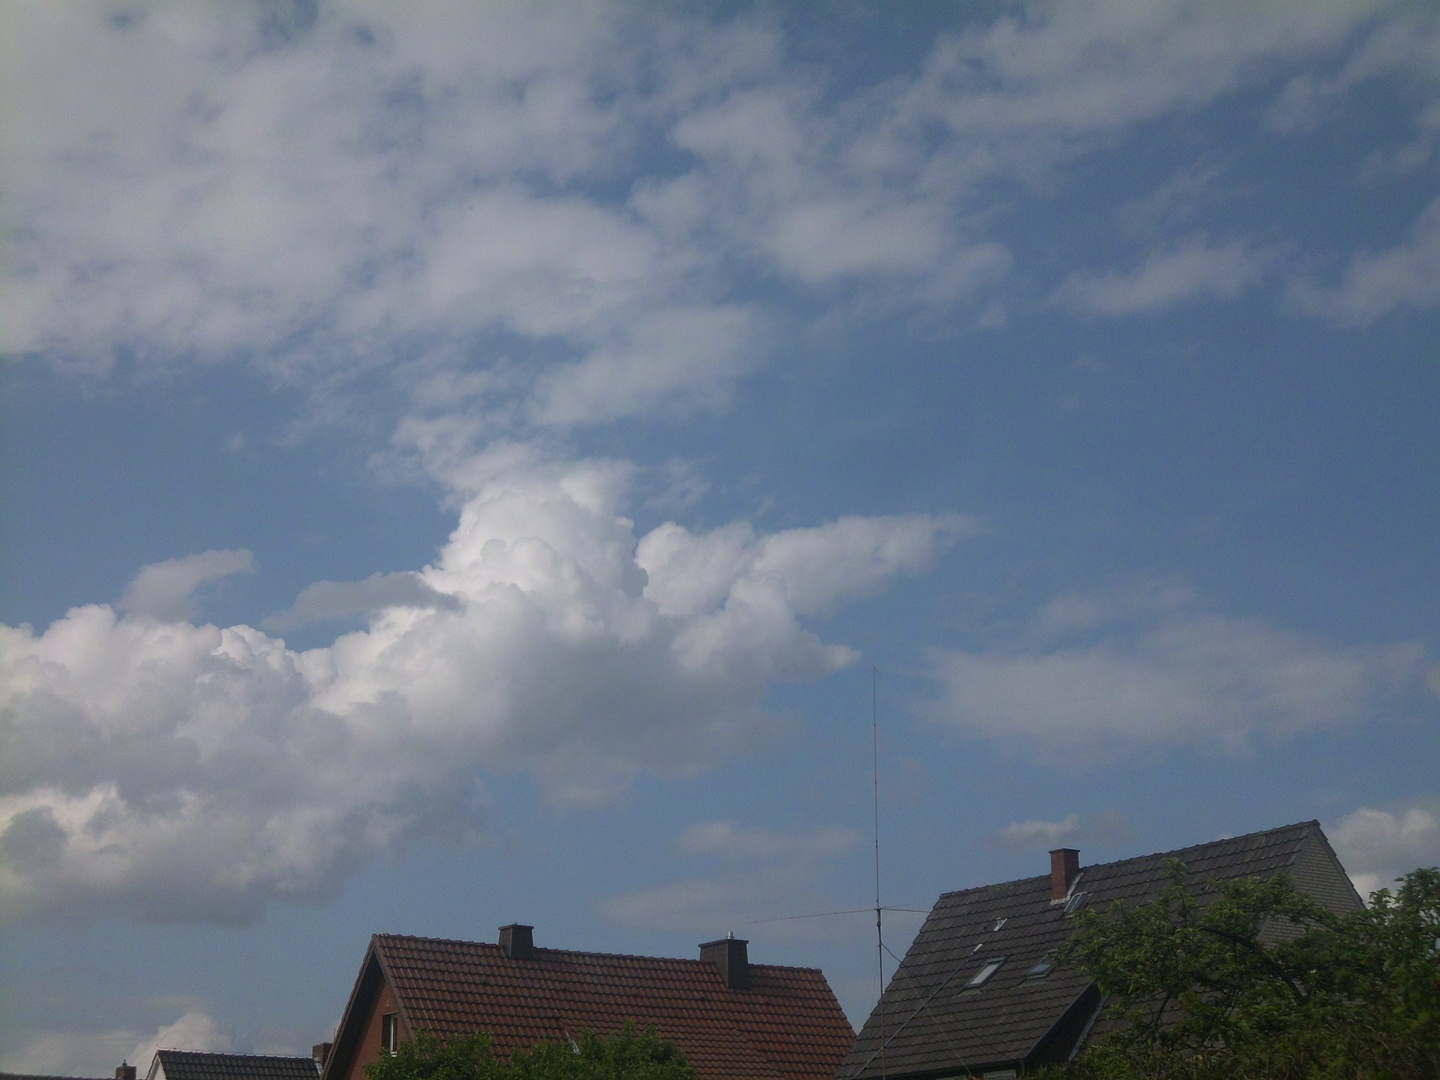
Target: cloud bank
<point x="181" y="771"/>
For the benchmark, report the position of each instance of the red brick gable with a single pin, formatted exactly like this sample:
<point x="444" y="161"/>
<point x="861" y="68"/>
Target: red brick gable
<point x="786" y="1025"/>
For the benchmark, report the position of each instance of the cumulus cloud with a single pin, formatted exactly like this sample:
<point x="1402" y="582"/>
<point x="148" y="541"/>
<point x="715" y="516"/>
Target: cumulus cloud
<point x="1147" y="665"/>
<point x="1377" y="846"/>
<point x="81" y="1053"/>
<point x="180" y="771"/>
<point x="165" y="590"/>
<point x="1103" y="827"/>
<point x="1167" y="278"/>
<point x="195" y="1030"/>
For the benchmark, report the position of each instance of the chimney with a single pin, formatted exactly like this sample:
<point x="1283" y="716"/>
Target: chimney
<point x="124" y="1071"/>
<point x="1064" y="869"/>
<point x="730" y="956"/>
<point x="518" y="941"/>
<point x="321" y="1053"/>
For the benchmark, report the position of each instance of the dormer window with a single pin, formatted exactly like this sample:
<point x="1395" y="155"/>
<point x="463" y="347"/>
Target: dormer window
<point x="981" y="977"/>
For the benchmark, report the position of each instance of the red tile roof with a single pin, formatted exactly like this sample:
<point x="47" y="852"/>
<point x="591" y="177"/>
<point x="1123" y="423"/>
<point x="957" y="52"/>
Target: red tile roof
<point x="787" y="1024"/>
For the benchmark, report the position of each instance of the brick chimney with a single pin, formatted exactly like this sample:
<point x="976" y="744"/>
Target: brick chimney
<point x="730" y="955"/>
<point x="124" y="1071"/>
<point x="518" y="941"/>
<point x="1064" y="869"/>
<point x="321" y="1053"/>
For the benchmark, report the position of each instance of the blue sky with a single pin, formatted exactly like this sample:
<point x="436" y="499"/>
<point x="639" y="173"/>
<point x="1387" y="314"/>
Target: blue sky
<point x="464" y="465"/>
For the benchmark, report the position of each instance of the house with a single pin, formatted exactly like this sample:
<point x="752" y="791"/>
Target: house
<point x="194" y="1065"/>
<point x="734" y="1020"/>
<point x="978" y="993"/>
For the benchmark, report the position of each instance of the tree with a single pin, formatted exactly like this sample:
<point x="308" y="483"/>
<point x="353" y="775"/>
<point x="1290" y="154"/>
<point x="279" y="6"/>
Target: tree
<point x="1258" y="980"/>
<point x="627" y="1055"/>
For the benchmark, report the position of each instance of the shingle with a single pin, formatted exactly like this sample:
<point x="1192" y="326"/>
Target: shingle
<point x="193" y="1065"/>
<point x="786" y="1024"/>
<point x="932" y="1023"/>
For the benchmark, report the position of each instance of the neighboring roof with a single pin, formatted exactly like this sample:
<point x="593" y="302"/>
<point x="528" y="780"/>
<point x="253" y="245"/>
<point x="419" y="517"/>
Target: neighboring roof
<point x="934" y="1025"/>
<point x="787" y="1023"/>
<point x="194" y="1065"/>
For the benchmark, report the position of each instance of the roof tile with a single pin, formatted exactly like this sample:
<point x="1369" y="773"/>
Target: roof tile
<point x="786" y="1024"/>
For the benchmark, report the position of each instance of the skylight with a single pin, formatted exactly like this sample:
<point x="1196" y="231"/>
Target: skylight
<point x="1076" y="902"/>
<point x="981" y="977"/>
<point x="1043" y="966"/>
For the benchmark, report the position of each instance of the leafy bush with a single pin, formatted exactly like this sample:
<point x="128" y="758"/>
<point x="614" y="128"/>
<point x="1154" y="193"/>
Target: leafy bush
<point x="1258" y="981"/>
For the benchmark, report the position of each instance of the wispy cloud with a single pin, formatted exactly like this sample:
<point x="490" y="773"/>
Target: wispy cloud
<point x="325" y="601"/>
<point x="1143" y="666"/>
<point x="1166" y="278"/>
<point x="1375" y="284"/>
<point x="778" y="871"/>
<point x="166" y="590"/>
<point x="333" y="196"/>
<point x="726" y="839"/>
<point x="1104" y="827"/>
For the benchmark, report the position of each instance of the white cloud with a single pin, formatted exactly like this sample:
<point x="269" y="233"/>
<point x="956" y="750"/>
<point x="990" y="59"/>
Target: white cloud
<point x="567" y="201"/>
<point x="1378" y="846"/>
<point x="179" y="771"/>
<point x="82" y="1053"/>
<point x="194" y="1031"/>
<point x="1103" y="827"/>
<point x="1373" y="285"/>
<point x="1167" y="278"/>
<point x="166" y="590"/>
<point x="1146" y="666"/>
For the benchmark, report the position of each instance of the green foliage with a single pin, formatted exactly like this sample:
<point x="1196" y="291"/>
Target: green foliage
<point x="1258" y="980"/>
<point x="627" y="1055"/>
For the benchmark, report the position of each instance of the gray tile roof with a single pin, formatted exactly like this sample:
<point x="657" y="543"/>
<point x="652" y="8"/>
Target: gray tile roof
<point x="934" y="1025"/>
<point x="193" y="1065"/>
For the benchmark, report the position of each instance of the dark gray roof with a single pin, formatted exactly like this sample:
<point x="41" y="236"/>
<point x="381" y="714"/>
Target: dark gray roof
<point x="193" y="1065"/>
<point x="933" y="1025"/>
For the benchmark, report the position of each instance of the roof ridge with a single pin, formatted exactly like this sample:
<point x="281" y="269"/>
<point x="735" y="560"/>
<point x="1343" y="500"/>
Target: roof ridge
<point x="228" y="1053"/>
<point x="1138" y="858"/>
<point x="587" y="952"/>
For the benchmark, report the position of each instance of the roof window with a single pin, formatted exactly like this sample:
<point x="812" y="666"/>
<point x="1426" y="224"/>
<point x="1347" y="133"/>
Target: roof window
<point x="1076" y="902"/>
<point x="998" y="924"/>
<point x="1043" y="966"/>
<point x="981" y="977"/>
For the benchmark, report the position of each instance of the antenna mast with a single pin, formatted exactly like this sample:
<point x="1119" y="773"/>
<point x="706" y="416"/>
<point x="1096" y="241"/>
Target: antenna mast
<point x="875" y="778"/>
